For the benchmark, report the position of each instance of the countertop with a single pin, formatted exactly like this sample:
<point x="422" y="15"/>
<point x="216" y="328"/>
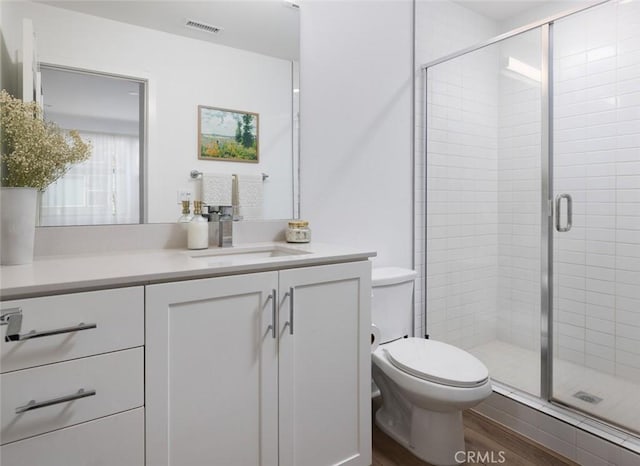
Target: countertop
<point x="71" y="273"/>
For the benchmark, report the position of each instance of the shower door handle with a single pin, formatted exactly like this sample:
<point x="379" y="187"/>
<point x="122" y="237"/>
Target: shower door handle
<point x="559" y="199"/>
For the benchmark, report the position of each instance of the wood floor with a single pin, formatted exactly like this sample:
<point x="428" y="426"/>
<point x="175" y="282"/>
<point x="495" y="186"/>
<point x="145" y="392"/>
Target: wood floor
<point x="481" y="435"/>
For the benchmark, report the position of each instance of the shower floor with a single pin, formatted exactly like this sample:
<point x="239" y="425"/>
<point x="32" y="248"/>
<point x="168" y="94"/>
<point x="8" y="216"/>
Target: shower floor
<point x="520" y="368"/>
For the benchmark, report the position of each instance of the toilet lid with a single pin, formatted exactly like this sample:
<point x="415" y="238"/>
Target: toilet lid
<point x="437" y="362"/>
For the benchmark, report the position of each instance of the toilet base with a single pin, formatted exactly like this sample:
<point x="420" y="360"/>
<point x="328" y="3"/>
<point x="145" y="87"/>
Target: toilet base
<point x="434" y="437"/>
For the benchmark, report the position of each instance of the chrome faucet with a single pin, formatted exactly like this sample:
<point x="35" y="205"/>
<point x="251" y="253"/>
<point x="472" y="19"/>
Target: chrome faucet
<point x="225" y="227"/>
<point x="222" y="218"/>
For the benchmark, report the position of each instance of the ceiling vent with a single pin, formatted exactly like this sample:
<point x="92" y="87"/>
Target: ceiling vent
<point x="202" y="27"/>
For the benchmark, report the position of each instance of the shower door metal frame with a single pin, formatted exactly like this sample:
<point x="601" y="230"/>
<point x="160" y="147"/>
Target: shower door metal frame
<point x="547" y="211"/>
<point x="546" y="219"/>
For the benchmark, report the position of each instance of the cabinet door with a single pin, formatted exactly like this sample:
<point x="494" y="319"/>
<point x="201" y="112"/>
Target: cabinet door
<point x="211" y="372"/>
<point x="325" y="365"/>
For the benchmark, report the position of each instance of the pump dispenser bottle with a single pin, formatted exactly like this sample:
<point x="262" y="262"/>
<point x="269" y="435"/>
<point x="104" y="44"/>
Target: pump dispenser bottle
<point x="198" y="230"/>
<point x="186" y="216"/>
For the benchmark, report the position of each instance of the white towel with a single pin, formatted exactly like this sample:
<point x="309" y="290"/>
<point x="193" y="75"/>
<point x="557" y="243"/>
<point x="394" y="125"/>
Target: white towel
<point x="249" y="196"/>
<point x="216" y="189"/>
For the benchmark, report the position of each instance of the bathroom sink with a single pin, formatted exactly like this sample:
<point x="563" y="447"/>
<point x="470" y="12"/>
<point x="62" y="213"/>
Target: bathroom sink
<point x="235" y="256"/>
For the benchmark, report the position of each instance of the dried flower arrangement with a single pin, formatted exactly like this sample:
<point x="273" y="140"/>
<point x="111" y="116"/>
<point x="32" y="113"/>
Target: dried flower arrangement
<point x="35" y="153"/>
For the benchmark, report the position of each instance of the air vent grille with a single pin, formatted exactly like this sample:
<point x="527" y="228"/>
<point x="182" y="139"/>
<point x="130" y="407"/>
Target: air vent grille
<point x="202" y="27"/>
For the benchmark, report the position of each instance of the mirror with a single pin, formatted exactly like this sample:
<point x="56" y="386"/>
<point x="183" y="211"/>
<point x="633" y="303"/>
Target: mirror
<point x="109" y="112"/>
<point x="240" y="55"/>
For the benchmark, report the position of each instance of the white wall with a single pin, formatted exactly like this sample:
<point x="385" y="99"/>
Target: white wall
<point x="356" y="105"/>
<point x="182" y="73"/>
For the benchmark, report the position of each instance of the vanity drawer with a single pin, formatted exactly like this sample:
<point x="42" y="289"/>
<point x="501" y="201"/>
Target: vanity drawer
<point x="116" y="378"/>
<point x="113" y="440"/>
<point x="118" y="315"/>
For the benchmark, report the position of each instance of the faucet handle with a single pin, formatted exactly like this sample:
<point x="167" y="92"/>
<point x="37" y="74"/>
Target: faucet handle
<point x="209" y="212"/>
<point x="226" y="211"/>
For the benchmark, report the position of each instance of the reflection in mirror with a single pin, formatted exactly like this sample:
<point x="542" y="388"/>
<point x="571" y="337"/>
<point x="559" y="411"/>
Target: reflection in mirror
<point x="108" y="111"/>
<point x="239" y="67"/>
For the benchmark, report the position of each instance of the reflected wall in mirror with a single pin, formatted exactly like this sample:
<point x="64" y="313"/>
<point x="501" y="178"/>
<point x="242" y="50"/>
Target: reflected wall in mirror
<point x="109" y="112"/>
<point x="180" y="69"/>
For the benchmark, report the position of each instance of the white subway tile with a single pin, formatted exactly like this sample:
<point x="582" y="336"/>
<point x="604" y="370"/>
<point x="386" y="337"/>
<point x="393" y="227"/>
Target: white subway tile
<point x="629" y="359"/>
<point x="602" y="339"/>
<point x="601" y="325"/>
<point x="628" y="304"/>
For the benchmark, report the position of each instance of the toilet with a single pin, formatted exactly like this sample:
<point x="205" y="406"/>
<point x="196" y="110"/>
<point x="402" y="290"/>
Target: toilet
<point x="425" y="384"/>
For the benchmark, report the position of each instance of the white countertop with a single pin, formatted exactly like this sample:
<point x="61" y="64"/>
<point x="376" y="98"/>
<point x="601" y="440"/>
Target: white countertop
<point x="61" y="274"/>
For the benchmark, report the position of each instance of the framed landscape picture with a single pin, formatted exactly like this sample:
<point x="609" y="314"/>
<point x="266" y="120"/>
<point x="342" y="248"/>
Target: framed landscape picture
<point x="230" y="135"/>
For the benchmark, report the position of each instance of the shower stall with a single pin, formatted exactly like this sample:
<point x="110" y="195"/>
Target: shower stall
<point x="533" y="208"/>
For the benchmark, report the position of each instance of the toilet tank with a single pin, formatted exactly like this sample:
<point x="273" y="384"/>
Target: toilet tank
<point x="392" y="302"/>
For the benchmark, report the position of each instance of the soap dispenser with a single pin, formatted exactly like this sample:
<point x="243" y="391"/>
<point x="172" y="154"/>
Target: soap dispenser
<point x="198" y="231"/>
<point x="186" y="216"/>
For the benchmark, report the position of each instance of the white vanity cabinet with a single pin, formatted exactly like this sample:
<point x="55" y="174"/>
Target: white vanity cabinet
<point x="72" y="386"/>
<point x="211" y="372"/>
<point x="262" y="369"/>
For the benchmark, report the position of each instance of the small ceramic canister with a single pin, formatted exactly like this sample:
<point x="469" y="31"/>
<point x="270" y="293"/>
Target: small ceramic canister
<point x="298" y="231"/>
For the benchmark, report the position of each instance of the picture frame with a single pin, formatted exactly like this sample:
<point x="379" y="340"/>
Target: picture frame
<point x="228" y="135"/>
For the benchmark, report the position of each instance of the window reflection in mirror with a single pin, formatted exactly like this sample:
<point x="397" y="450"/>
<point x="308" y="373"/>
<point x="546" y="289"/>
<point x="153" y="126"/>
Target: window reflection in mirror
<point x="107" y="111"/>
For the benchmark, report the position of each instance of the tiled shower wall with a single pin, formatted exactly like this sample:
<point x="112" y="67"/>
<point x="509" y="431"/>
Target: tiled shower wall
<point x="597" y="161"/>
<point x="464" y="114"/>
<point x="519" y="193"/>
<point x="462" y="214"/>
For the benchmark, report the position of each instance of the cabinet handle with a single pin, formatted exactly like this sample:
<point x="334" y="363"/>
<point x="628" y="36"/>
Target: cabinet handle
<point x="274" y="306"/>
<point x="290" y="322"/>
<point x="48" y="333"/>
<point x="12" y="318"/>
<point x="33" y="404"/>
<point x="13" y="321"/>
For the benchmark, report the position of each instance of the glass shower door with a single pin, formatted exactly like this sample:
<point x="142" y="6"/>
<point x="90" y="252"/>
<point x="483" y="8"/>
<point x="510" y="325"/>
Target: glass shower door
<point x="483" y="210"/>
<point x="596" y="165"/>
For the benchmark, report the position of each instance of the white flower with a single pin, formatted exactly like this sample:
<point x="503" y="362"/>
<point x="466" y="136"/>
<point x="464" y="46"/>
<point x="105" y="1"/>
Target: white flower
<point x="35" y="153"/>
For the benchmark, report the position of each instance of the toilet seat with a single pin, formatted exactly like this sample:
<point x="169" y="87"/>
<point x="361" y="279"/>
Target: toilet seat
<point x="437" y="362"/>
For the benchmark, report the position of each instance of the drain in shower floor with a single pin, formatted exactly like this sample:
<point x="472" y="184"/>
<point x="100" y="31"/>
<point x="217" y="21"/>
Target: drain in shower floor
<point x="588" y="397"/>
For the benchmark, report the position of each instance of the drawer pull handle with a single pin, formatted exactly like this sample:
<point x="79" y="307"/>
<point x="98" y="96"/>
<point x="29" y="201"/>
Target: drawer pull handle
<point x="48" y="333"/>
<point x="13" y="320"/>
<point x="33" y="404"/>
